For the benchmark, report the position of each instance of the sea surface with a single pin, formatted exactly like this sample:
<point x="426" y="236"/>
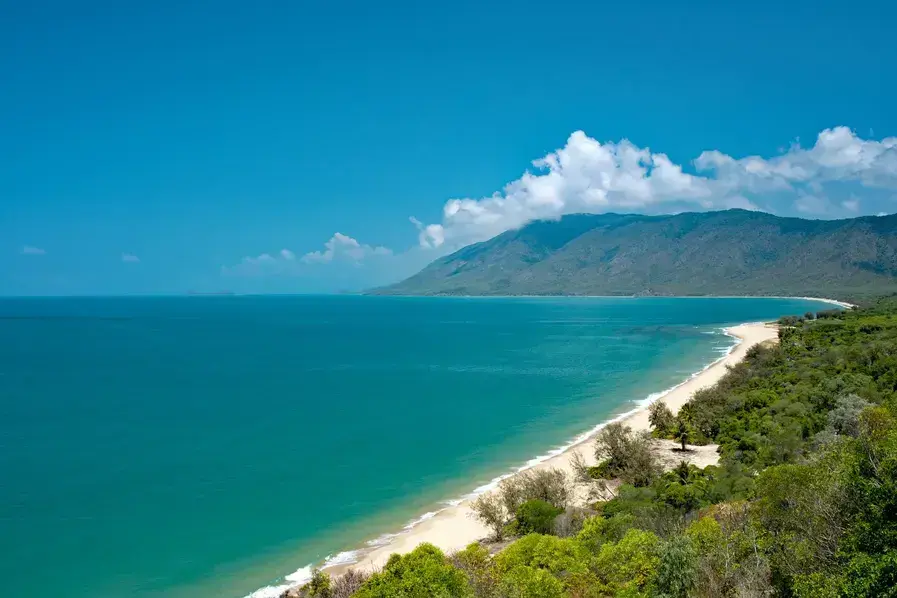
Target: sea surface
<point x="210" y="446"/>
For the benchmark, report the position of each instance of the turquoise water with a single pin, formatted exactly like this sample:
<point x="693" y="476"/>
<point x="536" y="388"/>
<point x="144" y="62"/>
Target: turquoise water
<point x="207" y="446"/>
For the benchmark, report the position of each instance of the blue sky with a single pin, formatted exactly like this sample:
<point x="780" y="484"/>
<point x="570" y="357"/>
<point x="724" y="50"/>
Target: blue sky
<point x="162" y="147"/>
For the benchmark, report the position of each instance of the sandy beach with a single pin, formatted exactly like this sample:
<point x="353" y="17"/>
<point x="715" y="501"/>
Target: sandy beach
<point x="453" y="528"/>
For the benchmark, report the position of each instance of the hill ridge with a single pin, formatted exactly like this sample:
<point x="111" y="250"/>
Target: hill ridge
<point x="730" y="252"/>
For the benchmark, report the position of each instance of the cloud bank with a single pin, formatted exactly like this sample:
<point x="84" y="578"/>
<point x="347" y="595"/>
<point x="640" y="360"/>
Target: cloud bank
<point x="586" y="176"/>
<point x="130" y="258"/>
<point x="30" y="250"/>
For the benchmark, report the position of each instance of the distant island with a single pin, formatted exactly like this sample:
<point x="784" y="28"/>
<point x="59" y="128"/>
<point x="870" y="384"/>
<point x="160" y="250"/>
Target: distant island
<point x="732" y="252"/>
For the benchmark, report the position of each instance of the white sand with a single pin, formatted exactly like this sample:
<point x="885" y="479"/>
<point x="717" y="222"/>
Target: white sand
<point x="454" y="528"/>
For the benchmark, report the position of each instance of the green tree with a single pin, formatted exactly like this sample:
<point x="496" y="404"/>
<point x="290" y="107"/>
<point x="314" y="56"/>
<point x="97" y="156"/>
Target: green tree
<point x="424" y="572"/>
<point x="682" y="432"/>
<point x="731" y="557"/>
<point x="320" y="585"/>
<point x="489" y="509"/>
<point x="677" y="570"/>
<point x="661" y="418"/>
<point x="802" y="508"/>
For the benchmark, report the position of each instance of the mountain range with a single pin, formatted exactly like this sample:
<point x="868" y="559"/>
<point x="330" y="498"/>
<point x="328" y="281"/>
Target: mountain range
<point x="732" y="252"/>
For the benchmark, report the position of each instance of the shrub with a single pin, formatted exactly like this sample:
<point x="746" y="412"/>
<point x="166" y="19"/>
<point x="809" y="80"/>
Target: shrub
<point x="628" y="455"/>
<point x="551" y="485"/>
<point x="786" y="321"/>
<point x="489" y="509"/>
<point x="630" y="565"/>
<point x="524" y="563"/>
<point x="495" y="509"/>
<point x="570" y="522"/>
<point x="422" y="573"/>
<point x="830" y="314"/>
<point x="529" y="582"/>
<point x="476" y="562"/>
<point x="319" y="586"/>
<point x="537" y="516"/>
<point x="602" y="471"/>
<point x="348" y="583"/>
<point x="597" y="531"/>
<point x="845" y="417"/>
<point x="677" y="570"/>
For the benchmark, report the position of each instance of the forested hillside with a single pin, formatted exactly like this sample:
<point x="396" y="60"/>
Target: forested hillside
<point x="734" y="252"/>
<point x="803" y="502"/>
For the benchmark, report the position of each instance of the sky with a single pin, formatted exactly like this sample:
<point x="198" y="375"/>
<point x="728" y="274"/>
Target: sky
<point x="308" y="147"/>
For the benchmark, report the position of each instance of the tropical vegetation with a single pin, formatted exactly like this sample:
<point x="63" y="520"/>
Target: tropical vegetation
<point x="803" y="502"/>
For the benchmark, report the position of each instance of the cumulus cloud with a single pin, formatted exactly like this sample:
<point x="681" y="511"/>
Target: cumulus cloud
<point x="838" y="155"/>
<point x="130" y="258"/>
<point x="586" y="176"/>
<point x="582" y="176"/>
<point x="30" y="250"/>
<point x="429" y="235"/>
<point x="342" y="246"/>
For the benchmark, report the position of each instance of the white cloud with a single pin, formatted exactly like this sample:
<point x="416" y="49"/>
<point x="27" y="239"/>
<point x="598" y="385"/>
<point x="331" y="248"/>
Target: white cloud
<point x="340" y="248"/>
<point x="852" y="204"/>
<point x="590" y="177"/>
<point x="130" y="258"/>
<point x="583" y="176"/>
<point x="838" y="155"/>
<point x="430" y="235"/>
<point x="345" y="247"/>
<point x="30" y="250"/>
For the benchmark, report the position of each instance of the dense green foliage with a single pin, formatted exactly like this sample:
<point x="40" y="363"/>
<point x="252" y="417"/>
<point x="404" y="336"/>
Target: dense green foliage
<point x="537" y="516"/>
<point x="424" y="572"/>
<point x="734" y="252"/>
<point x="803" y="503"/>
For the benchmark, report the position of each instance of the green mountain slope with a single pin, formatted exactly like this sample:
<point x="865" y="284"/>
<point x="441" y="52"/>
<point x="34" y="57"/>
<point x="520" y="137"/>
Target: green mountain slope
<point x="734" y="252"/>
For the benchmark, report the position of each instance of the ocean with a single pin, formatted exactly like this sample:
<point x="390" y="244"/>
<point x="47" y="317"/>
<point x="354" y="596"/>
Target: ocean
<point x="210" y="446"/>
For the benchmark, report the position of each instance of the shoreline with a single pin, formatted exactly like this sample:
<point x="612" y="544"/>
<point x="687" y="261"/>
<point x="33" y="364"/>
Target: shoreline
<point x="842" y="304"/>
<point x="453" y="528"/>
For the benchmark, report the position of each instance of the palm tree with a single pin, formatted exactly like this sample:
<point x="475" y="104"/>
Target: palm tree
<point x="682" y="432"/>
